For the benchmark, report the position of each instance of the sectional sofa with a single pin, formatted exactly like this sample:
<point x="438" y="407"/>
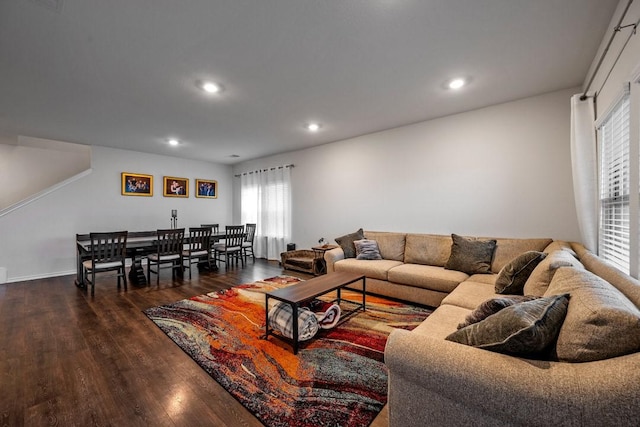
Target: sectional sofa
<point x="590" y="376"/>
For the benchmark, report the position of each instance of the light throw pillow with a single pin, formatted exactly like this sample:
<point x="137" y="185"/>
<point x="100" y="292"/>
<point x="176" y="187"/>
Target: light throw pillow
<point x="514" y="275"/>
<point x="601" y="322"/>
<point x="471" y="256"/>
<point x="346" y="243"/>
<point x="492" y="306"/>
<point x="367" y="249"/>
<point x="525" y="329"/>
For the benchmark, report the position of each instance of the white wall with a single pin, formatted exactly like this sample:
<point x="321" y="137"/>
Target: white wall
<point x="31" y="165"/>
<point x="37" y="240"/>
<point x="499" y="171"/>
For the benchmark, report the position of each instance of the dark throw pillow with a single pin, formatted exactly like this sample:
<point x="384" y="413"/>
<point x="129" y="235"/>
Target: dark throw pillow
<point x="367" y="249"/>
<point x="492" y="306"/>
<point x="346" y="243"/>
<point x="514" y="275"/>
<point x="471" y="256"/>
<point x="524" y="329"/>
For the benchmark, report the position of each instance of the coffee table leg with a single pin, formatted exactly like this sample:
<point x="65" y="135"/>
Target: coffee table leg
<point x="295" y="328"/>
<point x="266" y="316"/>
<point x="364" y="292"/>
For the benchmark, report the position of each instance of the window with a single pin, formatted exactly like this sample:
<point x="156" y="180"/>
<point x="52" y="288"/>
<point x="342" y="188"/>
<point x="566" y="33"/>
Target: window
<point x="615" y="189"/>
<point x="266" y="201"/>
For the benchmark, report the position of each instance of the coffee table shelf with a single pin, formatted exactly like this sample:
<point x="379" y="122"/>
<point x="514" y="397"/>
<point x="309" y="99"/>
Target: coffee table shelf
<point x="303" y="292"/>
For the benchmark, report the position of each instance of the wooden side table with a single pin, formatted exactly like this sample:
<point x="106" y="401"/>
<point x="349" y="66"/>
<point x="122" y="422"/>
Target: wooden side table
<point x="320" y="265"/>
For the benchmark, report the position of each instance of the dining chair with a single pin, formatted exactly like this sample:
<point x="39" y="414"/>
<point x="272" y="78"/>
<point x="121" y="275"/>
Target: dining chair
<point x="168" y="250"/>
<point x="231" y="248"/>
<point x="198" y="247"/>
<point x="108" y="253"/>
<point x="247" y="245"/>
<point x="214" y="227"/>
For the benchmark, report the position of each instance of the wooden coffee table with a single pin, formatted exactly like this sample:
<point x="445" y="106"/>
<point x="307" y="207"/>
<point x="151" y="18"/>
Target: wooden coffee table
<point x="303" y="292"/>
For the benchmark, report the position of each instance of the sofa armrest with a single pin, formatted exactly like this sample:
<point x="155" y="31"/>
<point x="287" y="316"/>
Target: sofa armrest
<point x="506" y="389"/>
<point x="331" y="257"/>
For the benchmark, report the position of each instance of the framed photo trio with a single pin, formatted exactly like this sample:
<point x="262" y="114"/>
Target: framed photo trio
<point x="138" y="184"/>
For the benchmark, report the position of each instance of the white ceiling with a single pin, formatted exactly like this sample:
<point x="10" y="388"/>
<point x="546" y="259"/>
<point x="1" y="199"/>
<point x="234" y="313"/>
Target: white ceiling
<point x="123" y="73"/>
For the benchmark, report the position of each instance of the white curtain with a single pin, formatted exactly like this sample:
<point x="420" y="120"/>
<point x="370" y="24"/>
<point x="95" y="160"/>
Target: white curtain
<point x="584" y="164"/>
<point x="266" y="201"/>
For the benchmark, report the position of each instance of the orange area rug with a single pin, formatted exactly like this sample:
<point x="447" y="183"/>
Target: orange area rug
<point x="338" y="378"/>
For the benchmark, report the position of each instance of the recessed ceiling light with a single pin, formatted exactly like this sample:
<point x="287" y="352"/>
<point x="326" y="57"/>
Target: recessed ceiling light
<point x="456" y="83"/>
<point x="174" y="142"/>
<point x="313" y="127"/>
<point x="210" y="87"/>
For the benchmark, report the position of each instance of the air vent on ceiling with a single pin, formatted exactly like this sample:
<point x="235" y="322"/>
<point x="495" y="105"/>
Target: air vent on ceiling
<point x="54" y="5"/>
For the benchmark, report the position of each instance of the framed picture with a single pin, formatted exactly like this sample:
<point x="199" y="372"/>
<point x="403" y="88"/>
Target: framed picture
<point x="136" y="184"/>
<point x="175" y="187"/>
<point x="206" y="189"/>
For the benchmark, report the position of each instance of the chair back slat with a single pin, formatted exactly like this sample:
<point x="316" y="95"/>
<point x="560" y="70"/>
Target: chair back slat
<point x="108" y="247"/>
<point x="251" y="232"/>
<point x="215" y="228"/>
<point x="199" y="238"/>
<point x="234" y="235"/>
<point x="169" y="241"/>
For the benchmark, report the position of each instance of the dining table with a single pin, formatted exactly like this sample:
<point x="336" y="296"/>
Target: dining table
<point x="139" y="245"/>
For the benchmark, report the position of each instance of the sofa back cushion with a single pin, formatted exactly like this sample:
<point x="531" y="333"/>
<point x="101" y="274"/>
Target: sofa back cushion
<point x="391" y="244"/>
<point x="541" y="276"/>
<point x="427" y="249"/>
<point x="601" y="322"/>
<point x="557" y="245"/>
<point x="508" y="249"/>
<point x="626" y="284"/>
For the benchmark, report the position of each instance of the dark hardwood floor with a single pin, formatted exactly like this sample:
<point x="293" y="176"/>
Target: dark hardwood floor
<point x="68" y="359"/>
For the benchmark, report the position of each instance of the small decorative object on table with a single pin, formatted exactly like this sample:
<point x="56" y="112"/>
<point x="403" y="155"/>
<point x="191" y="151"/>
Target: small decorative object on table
<point x="174" y="218"/>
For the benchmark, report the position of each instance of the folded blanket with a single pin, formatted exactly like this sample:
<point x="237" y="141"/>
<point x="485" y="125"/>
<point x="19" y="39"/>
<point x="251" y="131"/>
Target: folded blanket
<point x="329" y="318"/>
<point x="280" y="317"/>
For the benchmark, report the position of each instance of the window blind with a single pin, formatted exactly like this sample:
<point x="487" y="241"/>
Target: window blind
<point x="615" y="186"/>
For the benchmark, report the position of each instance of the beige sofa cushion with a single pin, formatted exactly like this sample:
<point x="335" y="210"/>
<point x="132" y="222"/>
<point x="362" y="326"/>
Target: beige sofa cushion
<point x="376" y="269"/>
<point x="470" y="294"/>
<point x="626" y="284"/>
<point x="489" y="279"/>
<point x="541" y="276"/>
<point x="391" y="244"/>
<point x="427" y="249"/>
<point x="441" y="322"/>
<point x="427" y="276"/>
<point x="508" y="249"/>
<point x="557" y="245"/>
<point x="601" y="322"/>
